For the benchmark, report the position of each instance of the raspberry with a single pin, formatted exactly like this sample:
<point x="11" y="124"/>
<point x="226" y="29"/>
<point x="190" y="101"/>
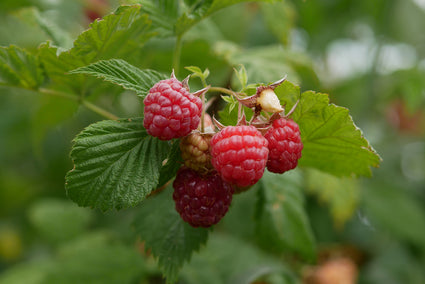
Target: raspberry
<point x="170" y="110"/>
<point x="201" y="200"/>
<point x="239" y="154"/>
<point x="195" y="151"/>
<point x="285" y="145"/>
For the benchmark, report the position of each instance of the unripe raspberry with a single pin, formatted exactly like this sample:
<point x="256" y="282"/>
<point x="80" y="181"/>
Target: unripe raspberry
<point x="201" y="200"/>
<point x="284" y="144"/>
<point x="239" y="154"/>
<point x="268" y="101"/>
<point x="170" y="111"/>
<point x="195" y="151"/>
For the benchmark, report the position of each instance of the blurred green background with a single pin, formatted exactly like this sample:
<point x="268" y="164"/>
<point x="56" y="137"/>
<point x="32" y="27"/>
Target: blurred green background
<point x="369" y="56"/>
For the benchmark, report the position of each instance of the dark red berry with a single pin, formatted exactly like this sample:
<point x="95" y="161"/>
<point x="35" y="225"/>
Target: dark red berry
<point x="239" y="154"/>
<point x="285" y="145"/>
<point x="170" y="110"/>
<point x="201" y="200"/>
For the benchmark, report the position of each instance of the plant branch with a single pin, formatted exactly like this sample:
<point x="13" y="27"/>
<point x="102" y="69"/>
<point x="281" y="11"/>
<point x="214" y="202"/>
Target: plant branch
<point x="85" y="103"/>
<point x="223" y="90"/>
<point x="177" y="54"/>
<point x="58" y="94"/>
<point x="99" y="110"/>
<point x="203" y="113"/>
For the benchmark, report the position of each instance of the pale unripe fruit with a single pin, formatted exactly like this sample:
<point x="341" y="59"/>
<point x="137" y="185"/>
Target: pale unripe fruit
<point x="268" y="101"/>
<point x="195" y="151"/>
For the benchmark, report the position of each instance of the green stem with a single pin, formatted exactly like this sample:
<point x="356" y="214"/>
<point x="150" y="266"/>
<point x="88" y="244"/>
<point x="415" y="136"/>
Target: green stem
<point x="203" y="113"/>
<point x="99" y="110"/>
<point x="177" y="54"/>
<point x="222" y="90"/>
<point x="204" y="83"/>
<point x="85" y="103"/>
<point x="58" y="94"/>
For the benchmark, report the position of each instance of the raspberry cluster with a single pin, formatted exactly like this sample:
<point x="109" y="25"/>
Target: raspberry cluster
<point x="217" y="165"/>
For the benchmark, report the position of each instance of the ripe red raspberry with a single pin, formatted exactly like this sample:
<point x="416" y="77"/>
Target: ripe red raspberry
<point x="201" y="200"/>
<point x="170" y="110"/>
<point x="195" y="151"/>
<point x="239" y="154"/>
<point x="284" y="144"/>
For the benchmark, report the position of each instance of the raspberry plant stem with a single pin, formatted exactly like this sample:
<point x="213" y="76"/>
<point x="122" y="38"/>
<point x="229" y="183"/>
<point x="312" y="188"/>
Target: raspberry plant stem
<point x="222" y="90"/>
<point x="177" y="54"/>
<point x="203" y="113"/>
<point x="99" y="110"/>
<point x="85" y="103"/>
<point x="58" y="94"/>
<point x="204" y="83"/>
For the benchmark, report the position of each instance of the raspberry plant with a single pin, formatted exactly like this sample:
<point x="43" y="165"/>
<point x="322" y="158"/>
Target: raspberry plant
<point x="131" y="162"/>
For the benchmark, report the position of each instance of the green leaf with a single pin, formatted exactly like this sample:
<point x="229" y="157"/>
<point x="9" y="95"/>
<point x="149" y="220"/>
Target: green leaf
<point x="118" y="71"/>
<point x="242" y="76"/>
<point x="19" y="68"/>
<point x="170" y="239"/>
<point x="229" y="115"/>
<point x="174" y="162"/>
<point x="263" y="64"/>
<point x="51" y="111"/>
<point x="95" y="260"/>
<point x="232" y="102"/>
<point x="116" y="164"/>
<point x="31" y="272"/>
<point x="281" y="221"/>
<point x="332" y="142"/>
<point x="163" y="14"/>
<point x="280" y="19"/>
<point x="59" y="220"/>
<point x="197" y="72"/>
<point x="227" y="259"/>
<point x="59" y="36"/>
<point x="7" y="6"/>
<point x="120" y="34"/>
<point x="91" y="258"/>
<point x="395" y="211"/>
<point x="194" y="69"/>
<point x="342" y="194"/>
<point x="201" y="10"/>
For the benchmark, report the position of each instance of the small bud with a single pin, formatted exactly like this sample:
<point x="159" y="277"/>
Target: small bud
<point x="268" y="101"/>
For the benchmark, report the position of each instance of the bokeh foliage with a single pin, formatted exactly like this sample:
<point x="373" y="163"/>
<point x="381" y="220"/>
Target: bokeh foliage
<point x="369" y="56"/>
